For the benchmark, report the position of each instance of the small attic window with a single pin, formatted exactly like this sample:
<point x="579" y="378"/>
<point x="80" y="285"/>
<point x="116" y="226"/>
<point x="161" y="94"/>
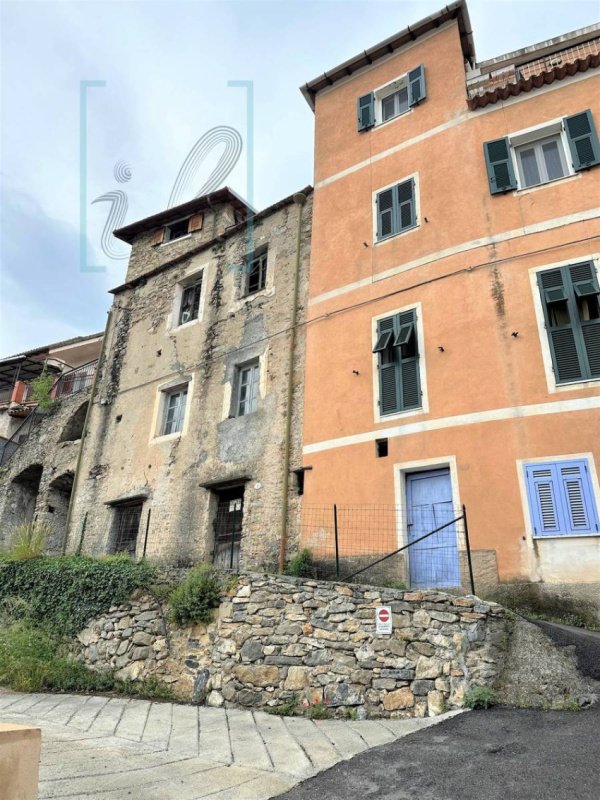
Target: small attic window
<point x="176" y="230"/>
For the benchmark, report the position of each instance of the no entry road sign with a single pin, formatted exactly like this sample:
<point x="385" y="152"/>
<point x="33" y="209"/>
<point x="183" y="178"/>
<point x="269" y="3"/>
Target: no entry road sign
<point x="383" y="620"/>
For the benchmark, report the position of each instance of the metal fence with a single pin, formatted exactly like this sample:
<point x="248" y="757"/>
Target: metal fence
<point x="426" y="547"/>
<point x="76" y="380"/>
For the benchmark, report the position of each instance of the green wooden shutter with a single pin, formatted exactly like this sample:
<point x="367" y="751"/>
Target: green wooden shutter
<point x="563" y="339"/>
<point x="416" y="86"/>
<point x="409" y="364"/>
<point x="406" y="205"/>
<point x="583" y="140"/>
<point x="498" y="162"/>
<point x="389" y="372"/>
<point x="585" y="285"/>
<point x="366" y="111"/>
<point x="387" y="213"/>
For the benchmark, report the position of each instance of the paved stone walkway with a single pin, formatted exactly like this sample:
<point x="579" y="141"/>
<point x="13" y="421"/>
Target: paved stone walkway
<point x="119" y="749"/>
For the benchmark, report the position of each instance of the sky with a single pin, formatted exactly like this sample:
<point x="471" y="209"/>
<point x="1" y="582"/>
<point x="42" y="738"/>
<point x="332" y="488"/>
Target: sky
<point x="165" y="68"/>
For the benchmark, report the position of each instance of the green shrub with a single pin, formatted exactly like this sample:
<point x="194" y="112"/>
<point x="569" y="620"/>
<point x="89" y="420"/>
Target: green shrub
<point x="40" y="388"/>
<point x="301" y="565"/>
<point x="286" y="709"/>
<point x="29" y="540"/>
<point x="197" y="595"/>
<point x="63" y="593"/>
<point x="319" y="710"/>
<point x="480" y="697"/>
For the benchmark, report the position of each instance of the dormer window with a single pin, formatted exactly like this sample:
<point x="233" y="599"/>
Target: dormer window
<point x="177" y="230"/>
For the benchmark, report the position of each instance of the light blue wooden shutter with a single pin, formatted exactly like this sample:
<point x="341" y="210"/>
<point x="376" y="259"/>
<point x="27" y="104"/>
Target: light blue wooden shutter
<point x="387" y="205"/>
<point x="583" y="140"/>
<point x="578" y="500"/>
<point x="416" y="86"/>
<point x="498" y="162"/>
<point x="561" y="500"/>
<point x="388" y="367"/>
<point x="366" y="111"/>
<point x="406" y="205"/>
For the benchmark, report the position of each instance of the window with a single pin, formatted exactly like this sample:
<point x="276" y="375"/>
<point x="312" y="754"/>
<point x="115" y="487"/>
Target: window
<point x="256" y="276"/>
<point x="174" y="411"/>
<point x="190" y="302"/>
<point x="176" y="230"/>
<point x="532" y="158"/>
<point x="398" y="363"/>
<point x="391" y="100"/>
<point x="560" y="498"/>
<point x="572" y="316"/>
<point x="381" y="448"/>
<point x="127" y="525"/>
<point x="396" y="210"/>
<point x="246" y="394"/>
<point x="541" y="162"/>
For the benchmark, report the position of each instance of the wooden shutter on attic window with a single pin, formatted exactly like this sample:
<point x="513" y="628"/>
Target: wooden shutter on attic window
<point x="196" y="222"/>
<point x="157" y="237"/>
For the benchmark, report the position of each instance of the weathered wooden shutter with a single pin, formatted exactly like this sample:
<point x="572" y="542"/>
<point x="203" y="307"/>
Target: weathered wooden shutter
<point x="406" y="205"/>
<point x="563" y="338"/>
<point x="544" y="500"/>
<point x="389" y="377"/>
<point x="157" y="237"/>
<point x="409" y="365"/>
<point x="498" y="162"/>
<point x="583" y="140"/>
<point x="585" y="286"/>
<point x="416" y="86"/>
<point x="196" y="222"/>
<point x="386" y="213"/>
<point x="580" y="511"/>
<point x="366" y="111"/>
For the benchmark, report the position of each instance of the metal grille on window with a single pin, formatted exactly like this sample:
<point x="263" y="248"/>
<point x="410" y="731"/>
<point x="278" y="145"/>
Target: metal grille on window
<point x="174" y="411"/>
<point x="190" y="303"/>
<point x="248" y="379"/>
<point x="228" y="524"/>
<point x="257" y="274"/>
<point x="128" y="525"/>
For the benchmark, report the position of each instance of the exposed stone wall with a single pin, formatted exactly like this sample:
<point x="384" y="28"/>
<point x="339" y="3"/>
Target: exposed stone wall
<point x="126" y="457"/>
<point x="36" y="481"/>
<point x="277" y="637"/>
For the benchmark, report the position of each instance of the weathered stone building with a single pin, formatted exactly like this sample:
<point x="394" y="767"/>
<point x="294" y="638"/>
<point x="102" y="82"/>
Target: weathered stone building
<point x="193" y="434"/>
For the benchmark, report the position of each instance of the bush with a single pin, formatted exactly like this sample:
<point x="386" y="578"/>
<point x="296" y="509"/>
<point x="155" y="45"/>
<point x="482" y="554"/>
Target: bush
<point x="301" y="565"/>
<point x="196" y="596"/>
<point x="480" y="697"/>
<point x="35" y="659"/>
<point x="40" y="388"/>
<point x="29" y="540"/>
<point x="530" y="600"/>
<point x="63" y="593"/>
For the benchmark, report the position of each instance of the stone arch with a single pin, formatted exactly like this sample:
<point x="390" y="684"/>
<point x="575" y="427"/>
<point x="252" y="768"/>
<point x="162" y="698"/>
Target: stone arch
<point x="73" y="430"/>
<point x="22" y="495"/>
<point x="57" y="509"/>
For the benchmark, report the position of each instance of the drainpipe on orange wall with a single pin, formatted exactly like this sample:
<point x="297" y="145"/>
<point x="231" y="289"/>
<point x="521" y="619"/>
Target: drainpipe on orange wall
<point x="300" y="200"/>
<point x="84" y="434"/>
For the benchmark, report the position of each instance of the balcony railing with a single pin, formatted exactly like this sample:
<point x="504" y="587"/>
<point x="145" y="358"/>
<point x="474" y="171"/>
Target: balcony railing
<point x="75" y="381"/>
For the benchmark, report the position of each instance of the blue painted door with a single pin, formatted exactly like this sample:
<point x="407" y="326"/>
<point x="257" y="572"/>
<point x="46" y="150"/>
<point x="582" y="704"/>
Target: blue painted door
<point x="433" y="561"/>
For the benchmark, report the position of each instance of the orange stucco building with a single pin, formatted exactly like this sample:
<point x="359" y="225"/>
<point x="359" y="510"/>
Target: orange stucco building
<point x="453" y="332"/>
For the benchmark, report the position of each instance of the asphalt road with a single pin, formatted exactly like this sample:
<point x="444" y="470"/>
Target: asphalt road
<point x="499" y="754"/>
<point x="587" y="645"/>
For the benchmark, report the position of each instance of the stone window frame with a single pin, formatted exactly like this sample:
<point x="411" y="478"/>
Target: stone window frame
<point x="239" y="297"/>
<point x="197" y="274"/>
<point x="162" y="393"/>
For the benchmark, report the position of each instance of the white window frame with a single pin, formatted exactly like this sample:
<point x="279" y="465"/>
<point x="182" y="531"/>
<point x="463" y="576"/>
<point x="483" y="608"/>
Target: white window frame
<point x="538" y="135"/>
<point x="160" y="407"/>
<point x="169" y="225"/>
<point x="551" y="383"/>
<point x="181" y="286"/>
<point x="411" y="412"/>
<point x="521" y="463"/>
<point x="415" y="177"/>
<point x="383" y="92"/>
<point x="253" y="366"/>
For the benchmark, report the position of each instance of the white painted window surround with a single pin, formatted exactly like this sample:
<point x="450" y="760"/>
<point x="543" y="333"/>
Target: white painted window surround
<point x="540" y="155"/>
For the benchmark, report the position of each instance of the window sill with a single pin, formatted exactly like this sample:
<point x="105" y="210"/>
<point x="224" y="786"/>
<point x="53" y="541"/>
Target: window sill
<point x="396" y="415"/>
<point x="587" y="383"/>
<point x="186" y="324"/>
<point x="530" y="189"/>
<point x="179" y="239"/>
<point x="395" y="235"/>
<point x="383" y="123"/>
<point x="166" y="437"/>
<point x="554" y="536"/>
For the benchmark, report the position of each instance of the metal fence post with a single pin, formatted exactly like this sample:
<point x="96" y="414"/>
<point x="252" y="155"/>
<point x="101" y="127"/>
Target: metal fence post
<point x="468" y="550"/>
<point x="146" y="536"/>
<point x="337" y="547"/>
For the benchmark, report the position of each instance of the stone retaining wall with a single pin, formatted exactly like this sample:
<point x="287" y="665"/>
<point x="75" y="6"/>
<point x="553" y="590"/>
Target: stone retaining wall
<point x="276" y="638"/>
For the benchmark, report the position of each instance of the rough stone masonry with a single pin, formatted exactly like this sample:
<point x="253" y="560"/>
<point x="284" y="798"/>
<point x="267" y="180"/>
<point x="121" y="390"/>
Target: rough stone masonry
<point x="278" y="637"/>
